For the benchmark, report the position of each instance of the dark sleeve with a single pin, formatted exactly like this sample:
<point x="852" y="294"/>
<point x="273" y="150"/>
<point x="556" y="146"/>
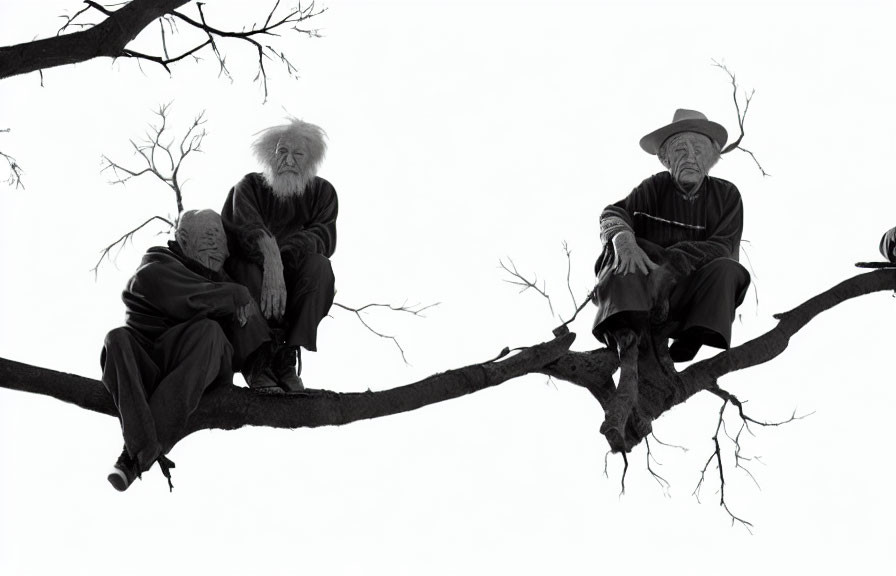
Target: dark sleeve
<point x="888" y="245"/>
<point x="617" y="218"/>
<point x="318" y="235"/>
<point x="242" y="218"/>
<point x="182" y="295"/>
<point x="723" y="241"/>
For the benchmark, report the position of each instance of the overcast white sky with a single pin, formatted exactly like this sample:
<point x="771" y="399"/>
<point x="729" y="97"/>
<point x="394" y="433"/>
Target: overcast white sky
<point x="461" y="133"/>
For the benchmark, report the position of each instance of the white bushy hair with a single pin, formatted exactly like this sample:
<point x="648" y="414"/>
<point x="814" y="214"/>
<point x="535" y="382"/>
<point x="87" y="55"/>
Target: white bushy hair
<point x="296" y="132"/>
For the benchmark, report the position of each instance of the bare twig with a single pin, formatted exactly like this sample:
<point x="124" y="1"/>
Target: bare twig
<point x="729" y="397"/>
<point x="70" y="20"/>
<point x="273" y="26"/>
<point x="568" y="254"/>
<point x="163" y="157"/>
<point x="741" y="116"/>
<point x="664" y="484"/>
<point x="753" y="156"/>
<point x="658" y="441"/>
<point x="414" y="310"/>
<point x="717" y="455"/>
<point x="15" y="169"/>
<point x="158" y="147"/>
<point x="520" y="280"/>
<point x="106" y="252"/>
<point x="753" y="275"/>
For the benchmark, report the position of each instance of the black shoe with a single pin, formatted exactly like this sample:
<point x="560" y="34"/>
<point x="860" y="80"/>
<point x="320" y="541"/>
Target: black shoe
<point x="287" y="366"/>
<point x="124" y="472"/>
<point x="684" y="349"/>
<point x="258" y="372"/>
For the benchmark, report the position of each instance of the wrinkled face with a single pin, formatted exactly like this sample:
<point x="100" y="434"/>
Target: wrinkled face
<point x="689" y="156"/>
<point x="201" y="237"/>
<point x="289" y="157"/>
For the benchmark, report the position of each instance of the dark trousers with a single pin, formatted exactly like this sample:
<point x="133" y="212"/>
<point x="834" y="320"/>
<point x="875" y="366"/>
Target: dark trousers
<point x="310" y="289"/>
<point x="157" y="384"/>
<point x="702" y="303"/>
<point x="246" y="339"/>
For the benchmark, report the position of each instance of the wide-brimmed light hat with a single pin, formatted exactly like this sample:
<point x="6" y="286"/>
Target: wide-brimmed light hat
<point x="685" y="121"/>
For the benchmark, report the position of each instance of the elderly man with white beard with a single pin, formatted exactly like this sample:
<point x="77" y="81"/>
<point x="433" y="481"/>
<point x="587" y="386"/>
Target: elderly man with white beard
<point x="670" y="253"/>
<point x="282" y="227"/>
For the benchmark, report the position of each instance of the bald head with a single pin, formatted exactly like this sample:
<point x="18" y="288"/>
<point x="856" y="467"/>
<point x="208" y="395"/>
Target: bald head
<point x="200" y="234"/>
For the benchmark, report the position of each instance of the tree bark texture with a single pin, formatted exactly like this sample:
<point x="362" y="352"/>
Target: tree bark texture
<point x="108" y="38"/>
<point x="661" y="386"/>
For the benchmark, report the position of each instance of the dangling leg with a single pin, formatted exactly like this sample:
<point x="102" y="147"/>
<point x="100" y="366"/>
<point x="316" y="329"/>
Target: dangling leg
<point x="193" y="356"/>
<point x="626" y="398"/>
<point x="310" y="288"/>
<point x="129" y="374"/>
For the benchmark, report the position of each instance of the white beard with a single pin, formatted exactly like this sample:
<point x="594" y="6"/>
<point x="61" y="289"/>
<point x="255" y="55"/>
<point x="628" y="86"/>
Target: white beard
<point x="287" y="185"/>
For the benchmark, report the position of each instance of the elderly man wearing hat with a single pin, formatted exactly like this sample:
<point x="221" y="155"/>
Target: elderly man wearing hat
<point x="670" y="252"/>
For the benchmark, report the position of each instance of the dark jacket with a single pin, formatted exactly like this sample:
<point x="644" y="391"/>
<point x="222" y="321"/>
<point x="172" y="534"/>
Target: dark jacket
<point x="693" y="231"/>
<point x="169" y="289"/>
<point x="304" y="224"/>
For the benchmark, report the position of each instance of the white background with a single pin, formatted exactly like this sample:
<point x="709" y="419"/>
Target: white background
<point x="461" y="133"/>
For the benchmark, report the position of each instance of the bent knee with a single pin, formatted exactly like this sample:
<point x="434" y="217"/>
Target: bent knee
<point x="727" y="268"/>
<point x="318" y="267"/>
<point x="209" y="332"/>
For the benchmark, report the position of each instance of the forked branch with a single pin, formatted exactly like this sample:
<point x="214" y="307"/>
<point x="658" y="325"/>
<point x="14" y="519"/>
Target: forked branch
<point x="15" y="169"/>
<point x="161" y="155"/>
<point x="741" y="116"/>
<point x="258" y="36"/>
<point x="518" y="279"/>
<point x="413" y="309"/>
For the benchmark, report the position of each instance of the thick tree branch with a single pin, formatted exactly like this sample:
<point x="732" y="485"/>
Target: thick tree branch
<point x="108" y="38"/>
<point x="230" y="407"/>
<point x="772" y="343"/>
<point x="591" y="370"/>
<point x="661" y="387"/>
<point x="111" y="37"/>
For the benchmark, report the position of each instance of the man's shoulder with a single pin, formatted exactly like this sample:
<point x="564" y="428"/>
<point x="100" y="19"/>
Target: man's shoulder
<point x="251" y="181"/>
<point x="322" y="186"/>
<point x="655" y="183"/>
<point x="156" y="259"/>
<point x="723" y="187"/>
<point x="159" y="255"/>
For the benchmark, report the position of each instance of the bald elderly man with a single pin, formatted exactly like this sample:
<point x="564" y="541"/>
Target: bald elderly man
<point x="182" y="313"/>
<point x="670" y="252"/>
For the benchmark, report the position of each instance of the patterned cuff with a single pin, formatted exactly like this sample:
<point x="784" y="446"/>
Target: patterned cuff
<point x="610" y="226"/>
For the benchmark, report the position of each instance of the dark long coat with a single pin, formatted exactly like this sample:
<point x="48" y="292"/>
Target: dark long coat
<point x="304" y="228"/>
<point x="688" y="233"/>
<point x="174" y="345"/>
